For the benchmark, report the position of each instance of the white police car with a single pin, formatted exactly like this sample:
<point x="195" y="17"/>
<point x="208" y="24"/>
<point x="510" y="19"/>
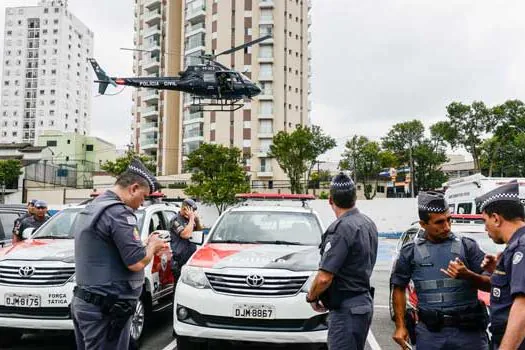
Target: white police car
<point x="37" y="276"/>
<point x="249" y="280"/>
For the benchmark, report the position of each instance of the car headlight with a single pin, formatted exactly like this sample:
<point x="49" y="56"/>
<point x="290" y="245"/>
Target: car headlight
<point x="72" y="279"/>
<point x="308" y="283"/>
<point x="194" y="276"/>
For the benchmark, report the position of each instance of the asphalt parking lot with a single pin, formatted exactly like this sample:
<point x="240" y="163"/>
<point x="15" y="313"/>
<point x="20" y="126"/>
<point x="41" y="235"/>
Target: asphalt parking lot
<point x="159" y="335"/>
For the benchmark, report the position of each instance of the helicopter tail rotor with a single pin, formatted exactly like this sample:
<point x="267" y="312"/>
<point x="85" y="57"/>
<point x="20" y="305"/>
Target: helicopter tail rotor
<point x="103" y="79"/>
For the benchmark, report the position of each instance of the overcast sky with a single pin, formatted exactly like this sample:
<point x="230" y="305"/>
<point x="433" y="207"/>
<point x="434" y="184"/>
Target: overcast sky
<point x="374" y="63"/>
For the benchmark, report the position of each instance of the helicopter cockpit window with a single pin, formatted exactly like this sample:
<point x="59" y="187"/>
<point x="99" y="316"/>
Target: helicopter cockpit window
<point x="208" y="77"/>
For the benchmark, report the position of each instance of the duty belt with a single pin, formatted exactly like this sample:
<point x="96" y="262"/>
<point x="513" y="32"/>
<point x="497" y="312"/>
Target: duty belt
<point x="89" y="297"/>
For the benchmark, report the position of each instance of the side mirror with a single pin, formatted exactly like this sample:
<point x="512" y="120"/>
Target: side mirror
<point x="28" y="232"/>
<point x="197" y="237"/>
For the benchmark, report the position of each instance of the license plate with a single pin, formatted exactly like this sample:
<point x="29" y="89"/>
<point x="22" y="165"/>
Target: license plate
<point x="22" y="300"/>
<point x="254" y="311"/>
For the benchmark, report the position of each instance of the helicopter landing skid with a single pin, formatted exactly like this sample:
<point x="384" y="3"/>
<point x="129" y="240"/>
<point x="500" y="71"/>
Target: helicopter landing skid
<point x="215" y="105"/>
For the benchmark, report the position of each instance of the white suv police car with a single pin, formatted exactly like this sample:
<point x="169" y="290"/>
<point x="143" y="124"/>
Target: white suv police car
<point x="37" y="276"/>
<point x="248" y="282"/>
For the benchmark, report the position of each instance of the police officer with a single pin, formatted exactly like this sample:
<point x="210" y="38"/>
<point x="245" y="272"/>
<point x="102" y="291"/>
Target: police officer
<point x="181" y="228"/>
<point x="36" y="220"/>
<point x="348" y="256"/>
<point x="446" y="271"/>
<point x="16" y="225"/>
<point x="504" y="221"/>
<point x="109" y="260"/>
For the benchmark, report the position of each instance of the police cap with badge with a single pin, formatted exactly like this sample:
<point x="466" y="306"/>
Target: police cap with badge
<point x="136" y="167"/>
<point x="431" y="202"/>
<point x="508" y="192"/>
<point x="342" y="182"/>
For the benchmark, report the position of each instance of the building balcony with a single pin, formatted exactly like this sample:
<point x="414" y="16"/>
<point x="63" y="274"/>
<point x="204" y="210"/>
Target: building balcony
<point x="266" y="20"/>
<point x="266" y="77"/>
<point x="196" y="14"/>
<point x="155" y="30"/>
<point x="193" y="121"/>
<point x="265" y="96"/>
<point x="265" y="134"/>
<point x="265" y="116"/>
<point x="151" y="97"/>
<point x="148" y="112"/>
<point x="195" y="29"/>
<point x="192" y="139"/>
<point x="148" y="128"/>
<point x="152" y="4"/>
<point x="262" y="153"/>
<point x="265" y="59"/>
<point x="309" y="20"/>
<point x="266" y="4"/>
<point x="265" y="173"/>
<point x="309" y="2"/>
<point x="149" y="143"/>
<point x="153" y="17"/>
<point x="151" y="66"/>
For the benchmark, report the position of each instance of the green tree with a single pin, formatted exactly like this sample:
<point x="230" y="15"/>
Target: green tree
<point x="217" y="175"/>
<point x="352" y="155"/>
<point x="296" y="152"/>
<point x="117" y="167"/>
<point x="467" y="125"/>
<point x="10" y="170"/>
<point x="402" y="139"/>
<point x="427" y="163"/>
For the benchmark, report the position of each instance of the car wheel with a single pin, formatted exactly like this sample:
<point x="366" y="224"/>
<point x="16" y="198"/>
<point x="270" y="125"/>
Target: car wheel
<point x="138" y="321"/>
<point x="9" y="337"/>
<point x="184" y="343"/>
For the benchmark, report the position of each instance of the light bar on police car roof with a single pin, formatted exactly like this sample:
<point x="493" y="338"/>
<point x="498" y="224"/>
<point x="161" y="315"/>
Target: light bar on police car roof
<point x="275" y="196"/>
<point x="157" y="194"/>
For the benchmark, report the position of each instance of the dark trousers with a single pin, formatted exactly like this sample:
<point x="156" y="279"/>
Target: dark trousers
<point x="91" y="328"/>
<point x="348" y="326"/>
<point x="449" y="338"/>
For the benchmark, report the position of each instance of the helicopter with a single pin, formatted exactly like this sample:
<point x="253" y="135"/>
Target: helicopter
<point x="213" y="87"/>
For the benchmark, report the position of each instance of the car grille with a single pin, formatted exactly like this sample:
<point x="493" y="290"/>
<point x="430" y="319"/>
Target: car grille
<point x="38" y="313"/>
<point x="272" y="286"/>
<point x="42" y="276"/>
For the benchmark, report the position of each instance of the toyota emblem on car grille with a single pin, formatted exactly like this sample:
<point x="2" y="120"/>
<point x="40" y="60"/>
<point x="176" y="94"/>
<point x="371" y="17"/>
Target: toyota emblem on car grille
<point x="255" y="280"/>
<point x="26" y="271"/>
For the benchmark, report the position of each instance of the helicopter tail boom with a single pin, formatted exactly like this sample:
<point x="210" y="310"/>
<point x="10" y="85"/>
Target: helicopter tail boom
<point x="103" y="79"/>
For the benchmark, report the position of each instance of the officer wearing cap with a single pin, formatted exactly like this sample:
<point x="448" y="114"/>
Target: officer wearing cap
<point x="36" y="220"/>
<point x="446" y="271"/>
<point x="504" y="221"/>
<point x="110" y="258"/>
<point x="18" y="221"/>
<point x="181" y="228"/>
<point x="348" y="256"/>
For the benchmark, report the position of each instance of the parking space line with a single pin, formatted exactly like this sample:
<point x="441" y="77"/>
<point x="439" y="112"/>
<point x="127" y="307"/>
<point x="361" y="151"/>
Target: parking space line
<point x="372" y="341"/>
<point x="171" y="346"/>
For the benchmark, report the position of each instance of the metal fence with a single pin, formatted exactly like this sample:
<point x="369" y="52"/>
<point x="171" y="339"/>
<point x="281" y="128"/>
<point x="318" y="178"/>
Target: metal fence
<point x="59" y="175"/>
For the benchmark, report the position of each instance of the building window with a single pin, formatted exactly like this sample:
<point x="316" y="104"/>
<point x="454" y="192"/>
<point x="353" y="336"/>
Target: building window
<point x="51" y="143"/>
<point x="68" y="141"/>
<point x="89" y="148"/>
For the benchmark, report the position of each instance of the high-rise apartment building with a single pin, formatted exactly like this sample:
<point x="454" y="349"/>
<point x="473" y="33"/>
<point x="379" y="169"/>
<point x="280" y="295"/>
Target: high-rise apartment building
<point x="46" y="83"/>
<point x="280" y="65"/>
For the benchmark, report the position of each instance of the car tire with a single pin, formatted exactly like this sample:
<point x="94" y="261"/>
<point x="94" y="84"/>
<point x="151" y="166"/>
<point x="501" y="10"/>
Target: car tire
<point x="185" y="343"/>
<point x="9" y="337"/>
<point x="139" y="320"/>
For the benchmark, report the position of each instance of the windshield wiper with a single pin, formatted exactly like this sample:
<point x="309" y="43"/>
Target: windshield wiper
<point x="229" y="241"/>
<point x="53" y="237"/>
<point x="279" y="242"/>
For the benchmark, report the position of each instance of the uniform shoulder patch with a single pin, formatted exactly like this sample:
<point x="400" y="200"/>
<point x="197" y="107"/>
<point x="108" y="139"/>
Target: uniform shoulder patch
<point x="136" y="234"/>
<point x="327" y="247"/>
<point x="131" y="219"/>
<point x="517" y="257"/>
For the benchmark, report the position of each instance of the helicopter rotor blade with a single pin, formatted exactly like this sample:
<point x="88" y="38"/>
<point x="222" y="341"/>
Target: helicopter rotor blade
<point x="240" y="47"/>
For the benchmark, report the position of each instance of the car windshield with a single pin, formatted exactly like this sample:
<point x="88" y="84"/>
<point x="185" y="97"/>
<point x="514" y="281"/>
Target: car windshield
<point x="484" y="241"/>
<point x="60" y="226"/>
<point x="271" y="227"/>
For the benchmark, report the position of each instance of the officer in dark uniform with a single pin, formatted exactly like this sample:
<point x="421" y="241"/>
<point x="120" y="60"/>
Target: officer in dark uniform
<point x="36" y="220"/>
<point x="181" y="228"/>
<point x="109" y="259"/>
<point x="348" y="256"/>
<point x="446" y="271"/>
<point x="504" y="221"/>
<point x="16" y="225"/>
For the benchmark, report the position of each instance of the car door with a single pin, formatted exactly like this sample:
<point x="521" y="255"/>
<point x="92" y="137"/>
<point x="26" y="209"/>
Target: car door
<point x="162" y="277"/>
<point x="7" y="221"/>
